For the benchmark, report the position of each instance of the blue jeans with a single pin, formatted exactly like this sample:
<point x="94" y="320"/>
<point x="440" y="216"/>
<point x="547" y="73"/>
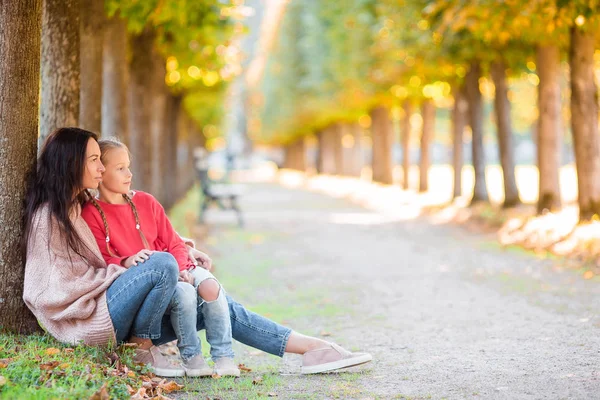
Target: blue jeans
<point x="246" y="327"/>
<point x="138" y="299"/>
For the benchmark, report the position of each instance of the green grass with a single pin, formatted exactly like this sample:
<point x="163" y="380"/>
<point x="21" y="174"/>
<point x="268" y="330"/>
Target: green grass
<point x="79" y="371"/>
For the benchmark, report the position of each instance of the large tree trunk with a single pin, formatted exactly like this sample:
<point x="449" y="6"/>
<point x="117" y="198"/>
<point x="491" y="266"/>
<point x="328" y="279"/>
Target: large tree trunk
<point x="476" y="122"/>
<point x="459" y="120"/>
<point x="505" y="135"/>
<point x="428" y="114"/>
<point x="115" y="79"/>
<point x="169" y="151"/>
<point x="92" y="34"/>
<point x="326" y="160"/>
<point x="140" y="108"/>
<point x="158" y="127"/>
<point x="20" y="37"/>
<point x="584" y="122"/>
<point x="60" y="66"/>
<point x="549" y="133"/>
<point x="405" y="139"/>
<point x="381" y="132"/>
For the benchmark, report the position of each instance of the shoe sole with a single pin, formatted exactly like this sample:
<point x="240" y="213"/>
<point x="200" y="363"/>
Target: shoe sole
<point x="344" y="363"/>
<point x="228" y="373"/>
<point x="199" y="374"/>
<point x="168" y="373"/>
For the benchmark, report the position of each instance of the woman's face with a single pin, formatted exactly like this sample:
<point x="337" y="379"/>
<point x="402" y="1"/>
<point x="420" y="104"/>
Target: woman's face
<point x="93" y="166"/>
<point x="117" y="177"/>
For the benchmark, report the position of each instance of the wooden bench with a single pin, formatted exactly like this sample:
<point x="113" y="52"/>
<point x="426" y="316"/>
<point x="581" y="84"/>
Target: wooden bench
<point x="224" y="195"/>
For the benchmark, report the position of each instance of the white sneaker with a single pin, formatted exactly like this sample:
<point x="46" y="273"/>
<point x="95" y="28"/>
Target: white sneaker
<point x="197" y="366"/>
<point x="226" y="367"/>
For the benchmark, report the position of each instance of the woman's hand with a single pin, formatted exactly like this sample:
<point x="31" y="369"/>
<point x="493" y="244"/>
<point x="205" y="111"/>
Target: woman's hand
<point x="185" y="276"/>
<point x="135" y="259"/>
<point x="200" y="259"/>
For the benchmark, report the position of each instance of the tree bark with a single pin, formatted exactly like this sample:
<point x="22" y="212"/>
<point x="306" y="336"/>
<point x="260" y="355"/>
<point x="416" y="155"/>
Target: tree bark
<point x="169" y="150"/>
<point x="353" y="160"/>
<point x="60" y="66"/>
<point x="140" y="106"/>
<point x="549" y="133"/>
<point x="459" y="120"/>
<point x="158" y="127"/>
<point x="405" y="139"/>
<point x="476" y="122"/>
<point x="505" y="135"/>
<point x="326" y="151"/>
<point x="381" y="131"/>
<point x="428" y="114"/>
<point x="115" y="78"/>
<point x="20" y="39"/>
<point x="584" y="122"/>
<point x="92" y="34"/>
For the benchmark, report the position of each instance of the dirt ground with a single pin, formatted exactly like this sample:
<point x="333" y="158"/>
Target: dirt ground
<point x="446" y="314"/>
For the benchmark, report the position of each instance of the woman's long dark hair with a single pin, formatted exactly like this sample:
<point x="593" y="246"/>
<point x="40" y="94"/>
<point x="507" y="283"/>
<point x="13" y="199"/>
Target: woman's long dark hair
<point x="57" y="182"/>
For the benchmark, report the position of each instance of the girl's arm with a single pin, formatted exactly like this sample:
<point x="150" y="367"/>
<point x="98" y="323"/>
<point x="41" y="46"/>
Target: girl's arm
<point x="166" y="233"/>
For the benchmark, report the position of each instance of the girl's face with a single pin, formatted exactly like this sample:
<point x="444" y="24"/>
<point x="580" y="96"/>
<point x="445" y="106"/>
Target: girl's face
<point x="117" y="176"/>
<point x="93" y="166"/>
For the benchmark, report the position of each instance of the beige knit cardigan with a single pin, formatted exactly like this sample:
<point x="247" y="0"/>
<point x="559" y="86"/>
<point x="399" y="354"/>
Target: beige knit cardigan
<point x="68" y="294"/>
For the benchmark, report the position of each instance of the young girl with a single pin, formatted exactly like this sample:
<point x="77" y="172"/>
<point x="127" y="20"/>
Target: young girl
<point x="129" y="226"/>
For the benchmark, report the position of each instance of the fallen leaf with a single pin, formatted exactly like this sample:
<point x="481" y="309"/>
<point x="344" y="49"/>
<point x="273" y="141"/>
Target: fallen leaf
<point x="170" y="386"/>
<point x="216" y="376"/>
<point x="131" y="374"/>
<point x="69" y="350"/>
<point x="64" y="365"/>
<point x="156" y="379"/>
<point x="272" y="394"/>
<point x="3" y="380"/>
<point x="101" y="394"/>
<point x="3" y="363"/>
<point x="243" y="368"/>
<point x="49" y="365"/>
<point x="52" y="351"/>
<point x="129" y="345"/>
<point x="325" y="333"/>
<point x="257" y="380"/>
<point x="139" y="395"/>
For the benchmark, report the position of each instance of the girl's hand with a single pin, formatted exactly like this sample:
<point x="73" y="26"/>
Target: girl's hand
<point x="135" y="259"/>
<point x="185" y="276"/>
<point x="199" y="258"/>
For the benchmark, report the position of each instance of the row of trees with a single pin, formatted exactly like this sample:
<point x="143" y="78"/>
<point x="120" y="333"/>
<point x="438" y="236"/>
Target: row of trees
<point x="148" y="72"/>
<point x="342" y="66"/>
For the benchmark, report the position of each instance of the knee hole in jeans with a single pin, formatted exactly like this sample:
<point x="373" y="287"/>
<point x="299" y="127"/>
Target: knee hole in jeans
<point x="209" y="289"/>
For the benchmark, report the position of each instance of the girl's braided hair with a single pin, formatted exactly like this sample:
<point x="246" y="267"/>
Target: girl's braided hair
<point x="106" y="145"/>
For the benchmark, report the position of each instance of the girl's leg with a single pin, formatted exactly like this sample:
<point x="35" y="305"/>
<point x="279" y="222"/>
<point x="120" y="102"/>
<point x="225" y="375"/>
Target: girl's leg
<point x="215" y="310"/>
<point x="183" y="311"/>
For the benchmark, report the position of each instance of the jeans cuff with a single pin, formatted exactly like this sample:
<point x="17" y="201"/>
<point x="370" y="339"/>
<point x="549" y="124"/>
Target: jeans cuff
<point x="286" y="337"/>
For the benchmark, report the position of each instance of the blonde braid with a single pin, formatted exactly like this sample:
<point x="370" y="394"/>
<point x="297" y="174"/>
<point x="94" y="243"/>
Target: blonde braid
<point x="106" y="231"/>
<point x="137" y="220"/>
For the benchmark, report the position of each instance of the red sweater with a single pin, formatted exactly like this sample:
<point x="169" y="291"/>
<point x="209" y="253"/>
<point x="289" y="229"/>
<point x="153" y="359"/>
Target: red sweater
<point x="125" y="240"/>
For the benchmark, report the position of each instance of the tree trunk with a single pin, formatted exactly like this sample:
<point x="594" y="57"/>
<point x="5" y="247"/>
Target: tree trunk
<point x="381" y="130"/>
<point x="158" y="127"/>
<point x="505" y="135"/>
<point x="476" y="123"/>
<point x="459" y="120"/>
<point x="60" y="66"/>
<point x="326" y="151"/>
<point x="584" y="122"/>
<point x="337" y="132"/>
<point x="140" y="108"/>
<point x="405" y="139"/>
<point x="92" y="34"/>
<point x="20" y="38"/>
<point x="353" y="160"/>
<point x="170" y="149"/>
<point x="115" y="79"/>
<point x="428" y="114"/>
<point x="549" y="134"/>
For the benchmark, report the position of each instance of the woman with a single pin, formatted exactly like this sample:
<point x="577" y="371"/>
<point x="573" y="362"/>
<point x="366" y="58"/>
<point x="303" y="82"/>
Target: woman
<point x="79" y="299"/>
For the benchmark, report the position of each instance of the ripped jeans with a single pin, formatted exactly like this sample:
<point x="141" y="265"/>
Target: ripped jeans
<point x="183" y="312"/>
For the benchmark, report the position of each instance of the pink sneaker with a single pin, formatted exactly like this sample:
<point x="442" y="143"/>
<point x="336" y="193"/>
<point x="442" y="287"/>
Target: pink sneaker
<point x="158" y="363"/>
<point x="331" y="358"/>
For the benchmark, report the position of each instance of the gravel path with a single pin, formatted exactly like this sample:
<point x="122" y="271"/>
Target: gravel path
<point x="446" y="313"/>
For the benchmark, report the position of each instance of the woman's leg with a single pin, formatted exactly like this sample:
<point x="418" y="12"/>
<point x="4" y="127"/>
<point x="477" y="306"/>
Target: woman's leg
<point x="139" y="297"/>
